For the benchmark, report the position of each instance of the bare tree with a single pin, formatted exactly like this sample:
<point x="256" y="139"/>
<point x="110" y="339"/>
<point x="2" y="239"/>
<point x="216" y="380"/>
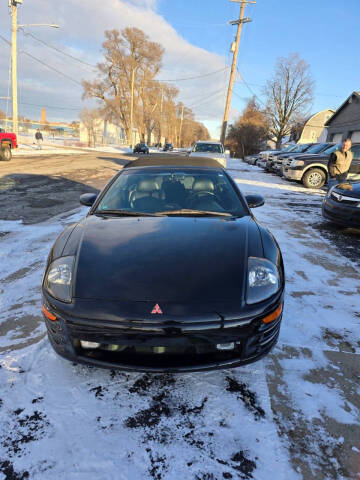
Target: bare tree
<point x="131" y="62"/>
<point x="289" y="95"/>
<point x="250" y="131"/>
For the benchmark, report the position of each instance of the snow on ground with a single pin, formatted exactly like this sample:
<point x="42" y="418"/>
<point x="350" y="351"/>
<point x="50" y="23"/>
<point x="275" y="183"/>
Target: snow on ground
<point x="31" y="149"/>
<point x="48" y="148"/>
<point x="294" y="414"/>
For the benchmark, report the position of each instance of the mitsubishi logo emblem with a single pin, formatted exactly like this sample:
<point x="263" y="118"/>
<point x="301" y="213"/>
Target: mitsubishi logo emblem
<point x="157" y="310"/>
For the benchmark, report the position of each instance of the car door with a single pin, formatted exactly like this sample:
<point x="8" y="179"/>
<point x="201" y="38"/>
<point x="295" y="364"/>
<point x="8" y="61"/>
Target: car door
<point x="354" y="171"/>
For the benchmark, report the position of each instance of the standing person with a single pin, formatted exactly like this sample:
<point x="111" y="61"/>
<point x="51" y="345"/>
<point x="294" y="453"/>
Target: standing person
<point x="339" y="163"/>
<point x="39" y="138"/>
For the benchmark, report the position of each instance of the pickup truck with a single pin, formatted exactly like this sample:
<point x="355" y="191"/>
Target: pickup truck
<point x="8" y="141"/>
<point x="312" y="170"/>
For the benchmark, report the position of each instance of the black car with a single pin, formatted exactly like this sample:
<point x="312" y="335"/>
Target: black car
<point x="342" y="204"/>
<point x="168" y="147"/>
<point x="169" y="271"/>
<point x="141" y="148"/>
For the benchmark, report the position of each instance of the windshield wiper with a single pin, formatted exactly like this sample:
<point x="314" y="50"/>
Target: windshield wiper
<point x="126" y="213"/>
<point x="199" y="213"/>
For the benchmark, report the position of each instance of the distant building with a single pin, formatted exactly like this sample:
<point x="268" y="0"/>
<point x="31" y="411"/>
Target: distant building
<point x="345" y="123"/>
<point x="28" y="127"/>
<point x="313" y="130"/>
<point x="102" y="132"/>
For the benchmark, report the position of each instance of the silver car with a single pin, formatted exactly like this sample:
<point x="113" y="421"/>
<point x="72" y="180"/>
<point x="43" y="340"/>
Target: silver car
<point x="209" y="149"/>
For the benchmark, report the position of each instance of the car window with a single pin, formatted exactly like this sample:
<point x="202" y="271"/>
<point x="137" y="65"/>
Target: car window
<point x="316" y="148"/>
<point x="164" y="190"/>
<point x="356" y="151"/>
<point x="332" y="149"/>
<point x="208" y="147"/>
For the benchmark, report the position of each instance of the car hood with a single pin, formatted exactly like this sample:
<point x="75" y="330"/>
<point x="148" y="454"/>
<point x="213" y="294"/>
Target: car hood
<point x="312" y="156"/>
<point x="172" y="259"/>
<point x="348" y="189"/>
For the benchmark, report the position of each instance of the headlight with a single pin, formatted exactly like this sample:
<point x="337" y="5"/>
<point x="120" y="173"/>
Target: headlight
<point x="297" y="163"/>
<point x="58" y="280"/>
<point x="263" y="280"/>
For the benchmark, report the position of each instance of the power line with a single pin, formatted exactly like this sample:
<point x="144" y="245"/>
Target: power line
<point x="58" y="50"/>
<point x="43" y="63"/>
<point x="209" y="97"/>
<point x="51" y="106"/>
<point x="249" y="88"/>
<point x="189" y="78"/>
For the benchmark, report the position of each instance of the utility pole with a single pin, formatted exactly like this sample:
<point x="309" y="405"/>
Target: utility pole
<point x="239" y="23"/>
<point x="161" y="111"/>
<point x="14" y="27"/>
<point x="181" y="123"/>
<point x="132" y="107"/>
<point x="13" y="4"/>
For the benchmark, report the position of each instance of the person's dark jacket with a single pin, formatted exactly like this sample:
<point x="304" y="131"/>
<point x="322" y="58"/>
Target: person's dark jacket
<point x="339" y="164"/>
<point x="38" y="136"/>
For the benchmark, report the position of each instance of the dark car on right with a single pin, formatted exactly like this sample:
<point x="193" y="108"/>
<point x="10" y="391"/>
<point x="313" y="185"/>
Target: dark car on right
<point x="141" y="148"/>
<point x="168" y="147"/>
<point x="342" y="204"/>
<point x="312" y="170"/>
<point x="298" y="149"/>
<point x="315" y="149"/>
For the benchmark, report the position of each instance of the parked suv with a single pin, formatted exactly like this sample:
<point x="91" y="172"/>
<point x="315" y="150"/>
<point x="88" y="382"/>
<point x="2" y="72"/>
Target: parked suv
<point x="312" y="170"/>
<point x="316" y="149"/>
<point x="299" y="148"/>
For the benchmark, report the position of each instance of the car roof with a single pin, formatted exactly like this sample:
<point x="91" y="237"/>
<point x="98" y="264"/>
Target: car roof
<point x="173" y="161"/>
<point x="208" y="141"/>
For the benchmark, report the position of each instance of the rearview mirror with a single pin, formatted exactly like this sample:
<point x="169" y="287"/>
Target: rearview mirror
<point x="255" y="201"/>
<point x="88" y="199"/>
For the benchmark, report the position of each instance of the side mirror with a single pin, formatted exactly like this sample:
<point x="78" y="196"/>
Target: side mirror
<point x="88" y="199"/>
<point x="255" y="201"/>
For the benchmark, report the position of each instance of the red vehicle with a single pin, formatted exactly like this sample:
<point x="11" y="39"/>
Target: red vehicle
<point x="8" y="141"/>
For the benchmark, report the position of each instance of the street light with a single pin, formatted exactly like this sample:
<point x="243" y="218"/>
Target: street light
<point x="13" y="4"/>
<point x="53" y="25"/>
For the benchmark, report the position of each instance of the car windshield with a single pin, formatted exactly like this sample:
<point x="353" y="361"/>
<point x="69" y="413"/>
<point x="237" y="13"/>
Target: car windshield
<point x="332" y="149"/>
<point x="208" y="147"/>
<point x="171" y="191"/>
<point x="300" y="148"/>
<point x="316" y="148"/>
<point x="287" y="149"/>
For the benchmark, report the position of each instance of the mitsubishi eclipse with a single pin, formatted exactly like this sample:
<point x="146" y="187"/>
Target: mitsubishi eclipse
<point x="169" y="271"/>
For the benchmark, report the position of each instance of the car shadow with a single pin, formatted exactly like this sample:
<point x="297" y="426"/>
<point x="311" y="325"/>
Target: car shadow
<point x="120" y="161"/>
<point x="36" y="198"/>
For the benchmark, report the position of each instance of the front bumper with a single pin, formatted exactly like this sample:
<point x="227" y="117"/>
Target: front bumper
<point x="346" y="215"/>
<point x="293" y="174"/>
<point x="163" y="345"/>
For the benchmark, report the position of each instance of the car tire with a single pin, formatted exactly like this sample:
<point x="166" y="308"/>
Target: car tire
<point x="5" y="154"/>
<point x="314" y="178"/>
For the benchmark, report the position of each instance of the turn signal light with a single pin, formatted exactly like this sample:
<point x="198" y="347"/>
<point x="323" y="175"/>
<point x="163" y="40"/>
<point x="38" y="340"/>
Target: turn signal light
<point x="47" y="314"/>
<point x="274" y="315"/>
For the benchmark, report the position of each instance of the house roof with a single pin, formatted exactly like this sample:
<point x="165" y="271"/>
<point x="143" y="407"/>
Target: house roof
<point x="342" y="106"/>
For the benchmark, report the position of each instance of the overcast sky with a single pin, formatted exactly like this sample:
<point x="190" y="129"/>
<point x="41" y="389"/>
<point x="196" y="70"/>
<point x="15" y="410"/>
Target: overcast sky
<point x="196" y="37"/>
